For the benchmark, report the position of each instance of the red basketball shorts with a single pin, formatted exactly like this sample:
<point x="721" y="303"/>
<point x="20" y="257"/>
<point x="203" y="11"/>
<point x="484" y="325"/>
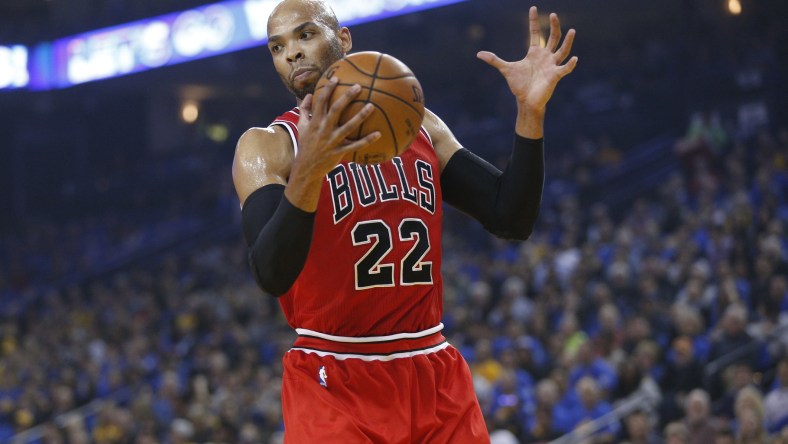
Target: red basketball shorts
<point x="403" y="391"/>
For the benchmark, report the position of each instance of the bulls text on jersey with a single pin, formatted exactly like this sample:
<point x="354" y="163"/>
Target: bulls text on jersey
<point x="352" y="184"/>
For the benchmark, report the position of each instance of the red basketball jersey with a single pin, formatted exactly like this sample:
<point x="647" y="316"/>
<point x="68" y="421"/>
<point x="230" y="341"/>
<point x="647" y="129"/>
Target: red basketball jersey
<point x="374" y="265"/>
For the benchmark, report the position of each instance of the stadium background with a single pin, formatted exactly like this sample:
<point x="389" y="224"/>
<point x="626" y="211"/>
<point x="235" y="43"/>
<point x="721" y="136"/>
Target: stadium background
<point x="127" y="312"/>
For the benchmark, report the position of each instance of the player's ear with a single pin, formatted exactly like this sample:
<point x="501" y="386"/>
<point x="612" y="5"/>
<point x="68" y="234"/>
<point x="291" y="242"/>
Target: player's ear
<point x="345" y="40"/>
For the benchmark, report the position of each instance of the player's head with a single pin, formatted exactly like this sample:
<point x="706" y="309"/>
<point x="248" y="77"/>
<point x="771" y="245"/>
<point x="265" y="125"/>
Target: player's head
<point x="304" y="38"/>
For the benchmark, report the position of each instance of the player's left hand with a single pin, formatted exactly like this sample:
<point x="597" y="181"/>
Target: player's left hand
<point x="534" y="78"/>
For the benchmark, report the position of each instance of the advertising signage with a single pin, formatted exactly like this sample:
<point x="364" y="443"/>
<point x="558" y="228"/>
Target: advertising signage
<point x="179" y="37"/>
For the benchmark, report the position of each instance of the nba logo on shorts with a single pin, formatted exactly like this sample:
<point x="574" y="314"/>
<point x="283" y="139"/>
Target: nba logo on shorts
<point x="322" y="376"/>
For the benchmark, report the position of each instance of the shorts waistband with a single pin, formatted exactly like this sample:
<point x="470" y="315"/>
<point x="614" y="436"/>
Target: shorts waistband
<point x="377" y="345"/>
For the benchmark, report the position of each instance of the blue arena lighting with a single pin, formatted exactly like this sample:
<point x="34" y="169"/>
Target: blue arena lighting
<point x="13" y="67"/>
<point x="179" y="37"/>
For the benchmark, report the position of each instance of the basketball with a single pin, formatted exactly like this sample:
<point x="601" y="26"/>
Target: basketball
<point x="390" y="86"/>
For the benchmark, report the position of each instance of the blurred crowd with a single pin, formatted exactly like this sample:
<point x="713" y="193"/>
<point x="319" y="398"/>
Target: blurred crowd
<point x="681" y="303"/>
<point x="676" y="307"/>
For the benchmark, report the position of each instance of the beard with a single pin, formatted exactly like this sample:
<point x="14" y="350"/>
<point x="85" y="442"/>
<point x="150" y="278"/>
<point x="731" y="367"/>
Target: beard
<point x="330" y="56"/>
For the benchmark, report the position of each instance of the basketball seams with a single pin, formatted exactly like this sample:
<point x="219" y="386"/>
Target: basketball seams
<point x="369" y="96"/>
<point x="359" y="69"/>
<point x="384" y="92"/>
<point x="385" y="116"/>
<point x="397" y="77"/>
<point x="403" y="76"/>
<point x="374" y="77"/>
<point x="416" y="115"/>
<point x="391" y="127"/>
<point x="394" y="96"/>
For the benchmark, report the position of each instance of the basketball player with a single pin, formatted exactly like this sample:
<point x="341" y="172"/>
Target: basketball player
<point x="353" y="252"/>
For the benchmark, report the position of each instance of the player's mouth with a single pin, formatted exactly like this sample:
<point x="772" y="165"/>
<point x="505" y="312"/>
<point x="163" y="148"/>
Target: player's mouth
<point x="301" y="75"/>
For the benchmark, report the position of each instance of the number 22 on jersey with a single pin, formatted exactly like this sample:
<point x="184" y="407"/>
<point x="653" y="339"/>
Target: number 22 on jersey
<point x="373" y="270"/>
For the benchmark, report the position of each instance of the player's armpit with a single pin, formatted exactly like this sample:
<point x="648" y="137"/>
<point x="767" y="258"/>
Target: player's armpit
<point x="506" y="203"/>
<point x="278" y="235"/>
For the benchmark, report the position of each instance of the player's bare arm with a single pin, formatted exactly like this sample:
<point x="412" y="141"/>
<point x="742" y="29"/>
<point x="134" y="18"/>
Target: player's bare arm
<point x="507" y="203"/>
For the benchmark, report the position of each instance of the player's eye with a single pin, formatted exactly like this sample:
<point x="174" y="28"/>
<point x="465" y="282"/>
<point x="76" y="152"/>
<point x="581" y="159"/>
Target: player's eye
<point x="306" y="34"/>
<point x="276" y="48"/>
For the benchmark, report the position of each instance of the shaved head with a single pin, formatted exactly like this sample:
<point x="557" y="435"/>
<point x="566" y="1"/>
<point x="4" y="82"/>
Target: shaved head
<point x="318" y="10"/>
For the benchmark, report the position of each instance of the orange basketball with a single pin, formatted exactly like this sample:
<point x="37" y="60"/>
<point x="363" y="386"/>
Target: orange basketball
<point x="390" y="86"/>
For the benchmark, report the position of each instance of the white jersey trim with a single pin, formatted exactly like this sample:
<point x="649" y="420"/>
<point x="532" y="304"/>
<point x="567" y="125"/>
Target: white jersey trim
<point x="391" y="357"/>
<point x="293" y="138"/>
<point x="350" y="339"/>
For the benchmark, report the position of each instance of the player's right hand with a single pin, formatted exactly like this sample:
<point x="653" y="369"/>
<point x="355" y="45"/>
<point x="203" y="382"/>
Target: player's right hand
<point x="322" y="140"/>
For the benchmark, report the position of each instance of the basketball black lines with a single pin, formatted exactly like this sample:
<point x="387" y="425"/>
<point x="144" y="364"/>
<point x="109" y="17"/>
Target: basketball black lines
<point x="356" y="67"/>
<point x="394" y="92"/>
<point x="371" y="86"/>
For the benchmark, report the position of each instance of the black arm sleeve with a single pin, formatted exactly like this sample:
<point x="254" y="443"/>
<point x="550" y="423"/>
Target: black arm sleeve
<point x="506" y="203"/>
<point x="278" y="236"/>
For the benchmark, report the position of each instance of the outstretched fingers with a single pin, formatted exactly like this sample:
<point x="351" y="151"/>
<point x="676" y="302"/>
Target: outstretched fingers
<point x="563" y="52"/>
<point x="534" y="31"/>
<point x="565" y="69"/>
<point x="492" y="60"/>
<point x="555" y="33"/>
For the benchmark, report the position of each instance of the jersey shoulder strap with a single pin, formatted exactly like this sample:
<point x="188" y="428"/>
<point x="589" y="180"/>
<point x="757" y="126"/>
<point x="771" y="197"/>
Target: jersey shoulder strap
<point x="289" y="121"/>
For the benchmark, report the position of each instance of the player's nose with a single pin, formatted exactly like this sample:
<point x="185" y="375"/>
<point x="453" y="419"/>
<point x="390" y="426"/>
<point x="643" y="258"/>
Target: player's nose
<point x="295" y="54"/>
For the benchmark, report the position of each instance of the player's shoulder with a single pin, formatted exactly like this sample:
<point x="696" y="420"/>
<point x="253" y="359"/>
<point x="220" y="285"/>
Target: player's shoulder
<point x="269" y="143"/>
<point x="258" y="139"/>
<point x="262" y="156"/>
<point x="431" y="121"/>
<point x="435" y="127"/>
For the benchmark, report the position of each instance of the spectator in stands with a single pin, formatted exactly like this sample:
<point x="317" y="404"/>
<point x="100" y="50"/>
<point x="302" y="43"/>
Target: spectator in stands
<point x="676" y="433"/>
<point x="647" y="356"/>
<point x="636" y="330"/>
<point x="688" y="322"/>
<point x="732" y="337"/>
<point x="634" y="384"/>
<point x="591" y="406"/>
<point x="697" y="419"/>
<point x="683" y="373"/>
<point x="508" y="400"/>
<point x="484" y="363"/>
<point x="542" y="428"/>
<point x="750" y="428"/>
<point x="588" y="363"/>
<point x="735" y="378"/>
<point x="639" y="429"/>
<point x="749" y="420"/>
<point x="776" y="400"/>
<point x="608" y="333"/>
<point x="541" y="416"/>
